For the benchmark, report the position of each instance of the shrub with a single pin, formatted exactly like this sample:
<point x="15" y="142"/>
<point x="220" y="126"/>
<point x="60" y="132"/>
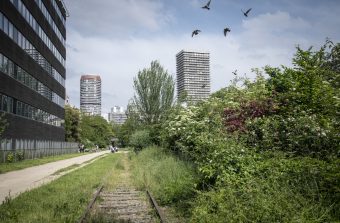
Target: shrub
<point x="235" y="118"/>
<point x="88" y="144"/>
<point x="140" y="139"/>
<point x="19" y="156"/>
<point x="10" y="157"/>
<point x="301" y="134"/>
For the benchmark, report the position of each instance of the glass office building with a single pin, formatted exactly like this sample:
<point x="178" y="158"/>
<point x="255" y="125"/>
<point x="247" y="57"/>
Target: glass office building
<point x="32" y="68"/>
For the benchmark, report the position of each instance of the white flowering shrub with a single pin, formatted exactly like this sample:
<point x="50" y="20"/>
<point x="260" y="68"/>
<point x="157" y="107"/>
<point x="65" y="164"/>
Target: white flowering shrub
<point x="302" y="134"/>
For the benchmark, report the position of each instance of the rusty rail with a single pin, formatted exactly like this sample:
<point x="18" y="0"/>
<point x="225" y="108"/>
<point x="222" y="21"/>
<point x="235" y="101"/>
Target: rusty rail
<point x="83" y="217"/>
<point x="158" y="210"/>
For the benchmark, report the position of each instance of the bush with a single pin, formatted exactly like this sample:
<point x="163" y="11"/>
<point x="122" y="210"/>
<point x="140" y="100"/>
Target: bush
<point x="10" y="157"/>
<point x="15" y="157"/>
<point x="19" y="156"/>
<point x="140" y="139"/>
<point x="301" y="134"/>
<point x="88" y="144"/>
<point x="279" y="190"/>
<point x="235" y="119"/>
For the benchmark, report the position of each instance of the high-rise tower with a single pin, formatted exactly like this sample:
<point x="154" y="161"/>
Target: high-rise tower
<point x="193" y="75"/>
<point x="90" y="94"/>
<point x="32" y="68"/>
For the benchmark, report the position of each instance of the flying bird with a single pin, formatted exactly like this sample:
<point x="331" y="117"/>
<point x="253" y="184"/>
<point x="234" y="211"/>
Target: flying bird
<point x="226" y="30"/>
<point x="203" y="86"/>
<point x="246" y="13"/>
<point x="195" y="32"/>
<point x="235" y="72"/>
<point x="207" y="5"/>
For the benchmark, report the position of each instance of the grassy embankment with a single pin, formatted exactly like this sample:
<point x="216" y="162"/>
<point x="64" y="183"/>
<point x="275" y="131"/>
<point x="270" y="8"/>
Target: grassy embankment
<point x="65" y="199"/>
<point x="7" y="167"/>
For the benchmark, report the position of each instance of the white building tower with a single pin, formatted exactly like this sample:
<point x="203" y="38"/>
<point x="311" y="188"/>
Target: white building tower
<point x="193" y="75"/>
<point x="90" y="94"/>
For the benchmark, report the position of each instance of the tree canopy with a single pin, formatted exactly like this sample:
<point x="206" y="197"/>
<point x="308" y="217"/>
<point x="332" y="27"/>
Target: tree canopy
<point x="95" y="130"/>
<point x="154" y="93"/>
<point x="72" y="124"/>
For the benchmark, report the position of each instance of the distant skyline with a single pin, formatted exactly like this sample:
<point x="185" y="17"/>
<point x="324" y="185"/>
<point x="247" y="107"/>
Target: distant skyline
<point x="118" y="38"/>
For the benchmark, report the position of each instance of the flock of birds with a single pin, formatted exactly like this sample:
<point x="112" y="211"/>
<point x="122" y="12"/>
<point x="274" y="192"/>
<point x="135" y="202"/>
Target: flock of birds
<point x="227" y="29"/>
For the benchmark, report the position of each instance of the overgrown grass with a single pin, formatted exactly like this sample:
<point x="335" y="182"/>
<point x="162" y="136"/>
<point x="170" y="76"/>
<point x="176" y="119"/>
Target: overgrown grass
<point x="118" y="174"/>
<point x="281" y="190"/>
<point x="63" y="200"/>
<point x="7" y="167"/>
<point x="170" y="180"/>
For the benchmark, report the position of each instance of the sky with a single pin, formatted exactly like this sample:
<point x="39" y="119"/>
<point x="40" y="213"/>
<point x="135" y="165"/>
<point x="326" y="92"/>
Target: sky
<point x="118" y="38"/>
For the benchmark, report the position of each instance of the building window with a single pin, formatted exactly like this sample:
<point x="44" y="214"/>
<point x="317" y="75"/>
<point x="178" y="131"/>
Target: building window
<point x="1" y="22"/>
<point x="6" y="104"/>
<point x="5" y="25"/>
<point x="16" y="72"/>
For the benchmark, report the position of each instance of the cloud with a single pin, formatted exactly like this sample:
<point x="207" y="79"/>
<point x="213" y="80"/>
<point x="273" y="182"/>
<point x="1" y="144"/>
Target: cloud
<point x="117" y="18"/>
<point x="276" y="30"/>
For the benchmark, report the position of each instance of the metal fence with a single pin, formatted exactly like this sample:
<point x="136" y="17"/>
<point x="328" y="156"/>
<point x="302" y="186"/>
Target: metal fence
<point x="18" y="149"/>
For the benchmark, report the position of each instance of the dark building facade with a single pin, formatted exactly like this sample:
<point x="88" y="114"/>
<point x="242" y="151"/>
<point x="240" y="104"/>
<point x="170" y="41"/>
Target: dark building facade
<point x="32" y="68"/>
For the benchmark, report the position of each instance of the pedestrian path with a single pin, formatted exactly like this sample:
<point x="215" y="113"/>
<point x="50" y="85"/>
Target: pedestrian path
<point x="15" y="182"/>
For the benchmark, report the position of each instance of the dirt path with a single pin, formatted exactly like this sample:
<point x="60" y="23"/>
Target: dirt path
<point x="121" y="202"/>
<point x="16" y="182"/>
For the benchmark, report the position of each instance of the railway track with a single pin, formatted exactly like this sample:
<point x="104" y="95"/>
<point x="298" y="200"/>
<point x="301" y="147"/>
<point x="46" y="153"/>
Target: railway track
<point x="123" y="205"/>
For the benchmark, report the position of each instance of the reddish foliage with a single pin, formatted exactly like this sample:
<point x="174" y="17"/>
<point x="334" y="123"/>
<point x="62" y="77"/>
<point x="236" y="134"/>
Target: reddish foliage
<point x="234" y="119"/>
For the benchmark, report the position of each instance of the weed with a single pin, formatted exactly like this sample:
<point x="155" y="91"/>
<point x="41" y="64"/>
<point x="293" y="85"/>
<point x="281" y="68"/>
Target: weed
<point x="7" y="212"/>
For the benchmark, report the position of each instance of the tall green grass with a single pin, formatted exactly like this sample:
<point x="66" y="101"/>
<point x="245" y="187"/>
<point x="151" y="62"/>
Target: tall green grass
<point x="170" y="180"/>
<point x="63" y="200"/>
<point x="281" y="190"/>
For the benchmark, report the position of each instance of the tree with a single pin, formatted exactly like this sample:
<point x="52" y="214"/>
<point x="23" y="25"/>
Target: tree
<point x="311" y="85"/>
<point x="95" y="130"/>
<point x="72" y="124"/>
<point x="154" y="93"/>
<point x="140" y="139"/>
<point x="332" y="64"/>
<point x="131" y="124"/>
